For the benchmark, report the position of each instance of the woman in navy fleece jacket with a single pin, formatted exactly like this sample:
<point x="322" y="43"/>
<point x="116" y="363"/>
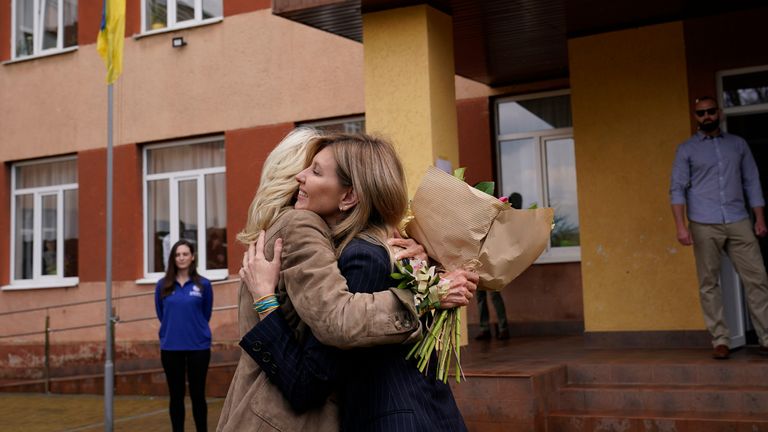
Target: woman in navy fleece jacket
<point x="184" y="302"/>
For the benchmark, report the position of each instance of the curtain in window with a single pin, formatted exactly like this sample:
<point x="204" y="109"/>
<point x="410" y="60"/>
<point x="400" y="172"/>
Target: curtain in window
<point x="46" y="174"/>
<point x="184" y="158"/>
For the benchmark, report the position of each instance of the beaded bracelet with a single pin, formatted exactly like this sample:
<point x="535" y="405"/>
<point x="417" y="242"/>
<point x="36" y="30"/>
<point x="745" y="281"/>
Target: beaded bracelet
<point x="267" y="311"/>
<point x="266" y="303"/>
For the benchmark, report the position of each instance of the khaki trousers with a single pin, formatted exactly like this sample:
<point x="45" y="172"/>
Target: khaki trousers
<point x="739" y="242"/>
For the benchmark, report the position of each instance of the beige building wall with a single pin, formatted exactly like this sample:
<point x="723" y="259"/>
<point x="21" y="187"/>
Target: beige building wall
<point x="630" y="110"/>
<point x="248" y="70"/>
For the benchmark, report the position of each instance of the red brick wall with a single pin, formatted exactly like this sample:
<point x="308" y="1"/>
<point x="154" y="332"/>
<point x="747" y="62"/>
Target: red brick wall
<point x="91" y="177"/>
<point x="88" y="21"/>
<point x="5" y="30"/>
<point x="246" y="151"/>
<point x="475" y="140"/>
<point x="128" y="249"/>
<point x="234" y="7"/>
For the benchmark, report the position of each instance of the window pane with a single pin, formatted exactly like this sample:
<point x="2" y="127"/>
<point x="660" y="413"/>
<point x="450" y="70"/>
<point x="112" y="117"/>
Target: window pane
<point x="50" y="23"/>
<point x="519" y="172"/>
<point x="351" y="126"/>
<point x="46" y="174"/>
<point x="212" y="8"/>
<point x="535" y="115"/>
<point x="24" y="27"/>
<point x="188" y="211"/>
<point x="561" y="181"/>
<point x="158" y="225"/>
<point x="745" y="89"/>
<point x="49" y="236"/>
<point x="216" y="221"/>
<point x="185" y="10"/>
<point x="156" y="14"/>
<point x="70" y="23"/>
<point x="24" y="236"/>
<point x="71" y="233"/>
<point x="184" y="158"/>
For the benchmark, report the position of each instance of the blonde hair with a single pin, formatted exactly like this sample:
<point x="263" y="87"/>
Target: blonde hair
<point x="371" y="167"/>
<point x="278" y="184"/>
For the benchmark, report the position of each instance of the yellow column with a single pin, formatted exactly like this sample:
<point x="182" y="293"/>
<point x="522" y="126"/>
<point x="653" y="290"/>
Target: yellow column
<point x="630" y="111"/>
<point x="409" y="85"/>
<point x="410" y="94"/>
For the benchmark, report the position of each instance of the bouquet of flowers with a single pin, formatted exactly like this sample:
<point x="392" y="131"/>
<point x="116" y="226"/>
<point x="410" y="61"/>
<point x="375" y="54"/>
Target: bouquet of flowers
<point x="475" y="231"/>
<point x="444" y="332"/>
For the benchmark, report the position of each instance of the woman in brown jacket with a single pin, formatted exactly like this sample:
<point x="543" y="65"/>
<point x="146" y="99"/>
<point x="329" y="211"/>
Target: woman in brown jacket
<point x="312" y="293"/>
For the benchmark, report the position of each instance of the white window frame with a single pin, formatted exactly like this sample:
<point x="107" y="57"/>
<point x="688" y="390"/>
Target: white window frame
<point x="38" y="280"/>
<point x="171" y="23"/>
<point x="37" y="32"/>
<point x="319" y="124"/>
<point x="174" y="178"/>
<point x="550" y="254"/>
<point x="746" y="109"/>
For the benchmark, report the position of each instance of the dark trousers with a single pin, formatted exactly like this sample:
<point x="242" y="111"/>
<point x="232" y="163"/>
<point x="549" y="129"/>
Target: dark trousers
<point x="180" y="366"/>
<point x="498" y="304"/>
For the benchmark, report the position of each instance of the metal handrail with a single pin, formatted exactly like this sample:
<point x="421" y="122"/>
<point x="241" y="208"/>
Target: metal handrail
<point x="117" y="321"/>
<point x="60" y="305"/>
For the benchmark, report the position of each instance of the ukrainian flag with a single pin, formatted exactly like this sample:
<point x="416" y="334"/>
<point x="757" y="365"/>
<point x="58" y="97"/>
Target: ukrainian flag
<point x="111" y="37"/>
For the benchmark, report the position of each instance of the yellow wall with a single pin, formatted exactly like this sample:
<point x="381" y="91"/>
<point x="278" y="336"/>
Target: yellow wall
<point x="630" y="110"/>
<point x="410" y="93"/>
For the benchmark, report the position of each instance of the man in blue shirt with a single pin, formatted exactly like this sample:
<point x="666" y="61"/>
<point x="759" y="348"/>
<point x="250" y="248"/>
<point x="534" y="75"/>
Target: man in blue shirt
<point x="713" y="173"/>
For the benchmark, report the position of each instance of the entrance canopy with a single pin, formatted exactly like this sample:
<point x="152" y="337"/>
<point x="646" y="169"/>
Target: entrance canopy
<point x="502" y="42"/>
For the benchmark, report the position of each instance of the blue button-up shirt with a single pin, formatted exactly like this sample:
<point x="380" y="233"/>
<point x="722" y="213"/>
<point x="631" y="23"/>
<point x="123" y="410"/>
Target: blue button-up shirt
<point x="712" y="175"/>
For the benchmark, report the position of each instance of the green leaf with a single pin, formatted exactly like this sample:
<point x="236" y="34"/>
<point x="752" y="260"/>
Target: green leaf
<point x="486" y="186"/>
<point x="397" y="276"/>
<point x="403" y="285"/>
<point x="533" y="206"/>
<point x="459" y="173"/>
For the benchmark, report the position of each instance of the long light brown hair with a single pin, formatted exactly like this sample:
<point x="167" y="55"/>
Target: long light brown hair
<point x="371" y="167"/>
<point x="278" y="185"/>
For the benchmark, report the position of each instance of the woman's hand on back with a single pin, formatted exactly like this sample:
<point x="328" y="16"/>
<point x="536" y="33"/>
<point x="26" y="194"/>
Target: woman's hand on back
<point x="261" y="276"/>
<point x="461" y="290"/>
<point x="410" y="249"/>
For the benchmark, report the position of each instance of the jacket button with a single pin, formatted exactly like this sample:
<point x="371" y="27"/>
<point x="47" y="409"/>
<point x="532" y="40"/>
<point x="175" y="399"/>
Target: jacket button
<point x="256" y="346"/>
<point x="407" y="323"/>
<point x="398" y="325"/>
<point x="266" y="357"/>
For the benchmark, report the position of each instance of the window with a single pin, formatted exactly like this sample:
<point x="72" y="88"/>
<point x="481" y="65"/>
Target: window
<point x="44" y="220"/>
<point x="354" y="124"/>
<point x="42" y="26"/>
<point x="185" y="197"/>
<point x="162" y="14"/>
<point x="536" y="159"/>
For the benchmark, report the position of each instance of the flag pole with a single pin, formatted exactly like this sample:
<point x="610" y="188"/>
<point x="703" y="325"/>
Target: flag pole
<point x="109" y="367"/>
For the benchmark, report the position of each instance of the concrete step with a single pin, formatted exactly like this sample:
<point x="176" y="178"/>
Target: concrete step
<point x="682" y="421"/>
<point x="643" y="398"/>
<point x="705" y="372"/>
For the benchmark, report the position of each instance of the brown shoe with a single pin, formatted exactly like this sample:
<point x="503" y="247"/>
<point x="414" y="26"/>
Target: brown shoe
<point x="721" y="352"/>
<point x="483" y="336"/>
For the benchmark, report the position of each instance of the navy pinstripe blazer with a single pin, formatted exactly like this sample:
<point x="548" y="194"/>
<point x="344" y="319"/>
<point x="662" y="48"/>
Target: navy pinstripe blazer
<point x="378" y="390"/>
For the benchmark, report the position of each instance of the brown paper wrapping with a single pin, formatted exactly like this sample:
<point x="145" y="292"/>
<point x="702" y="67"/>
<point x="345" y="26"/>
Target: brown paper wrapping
<point x="458" y="224"/>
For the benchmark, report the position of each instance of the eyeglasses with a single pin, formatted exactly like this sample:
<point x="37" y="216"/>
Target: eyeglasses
<point x="710" y="111"/>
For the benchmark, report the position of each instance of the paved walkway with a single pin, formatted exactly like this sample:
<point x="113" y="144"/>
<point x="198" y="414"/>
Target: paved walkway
<point x="25" y="412"/>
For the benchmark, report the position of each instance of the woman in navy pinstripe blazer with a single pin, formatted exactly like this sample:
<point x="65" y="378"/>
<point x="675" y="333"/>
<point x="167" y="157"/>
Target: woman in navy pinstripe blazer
<point x="356" y="183"/>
